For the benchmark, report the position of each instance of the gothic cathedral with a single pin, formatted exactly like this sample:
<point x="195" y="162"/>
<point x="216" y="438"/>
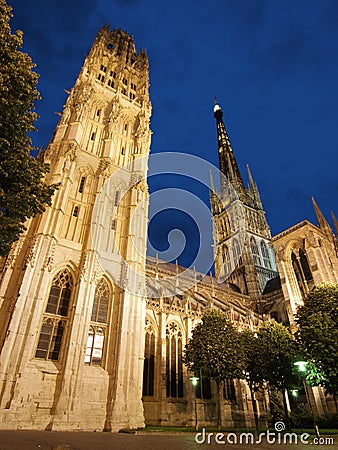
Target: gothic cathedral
<point x="83" y="351"/>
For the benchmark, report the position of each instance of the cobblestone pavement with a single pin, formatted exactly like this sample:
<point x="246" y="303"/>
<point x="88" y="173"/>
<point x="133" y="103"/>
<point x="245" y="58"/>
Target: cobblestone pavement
<point x="49" y="440"/>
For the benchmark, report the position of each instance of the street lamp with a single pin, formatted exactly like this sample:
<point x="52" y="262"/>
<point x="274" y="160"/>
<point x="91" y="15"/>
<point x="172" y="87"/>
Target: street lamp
<point x="301" y="365"/>
<point x="294" y="393"/>
<point x="194" y="381"/>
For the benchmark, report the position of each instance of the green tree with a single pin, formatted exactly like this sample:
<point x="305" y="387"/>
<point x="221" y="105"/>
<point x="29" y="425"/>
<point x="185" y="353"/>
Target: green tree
<point x="278" y="352"/>
<point x="23" y="192"/>
<point x="252" y="368"/>
<point x="215" y="351"/>
<point x="318" y="333"/>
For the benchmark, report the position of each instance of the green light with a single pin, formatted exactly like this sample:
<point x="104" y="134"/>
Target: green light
<point x="301" y="365"/>
<point x="294" y="392"/>
<point x="194" y="381"/>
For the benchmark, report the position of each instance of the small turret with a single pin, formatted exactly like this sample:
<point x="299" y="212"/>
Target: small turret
<point x="253" y="191"/>
<point x="335" y="221"/>
<point x="322" y="222"/>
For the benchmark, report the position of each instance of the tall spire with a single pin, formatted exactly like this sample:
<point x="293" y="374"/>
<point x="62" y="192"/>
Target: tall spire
<point x="227" y="162"/>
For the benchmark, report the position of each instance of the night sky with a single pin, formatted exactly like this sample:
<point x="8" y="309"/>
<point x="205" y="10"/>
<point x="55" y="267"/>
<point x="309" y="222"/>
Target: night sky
<point x="272" y="64"/>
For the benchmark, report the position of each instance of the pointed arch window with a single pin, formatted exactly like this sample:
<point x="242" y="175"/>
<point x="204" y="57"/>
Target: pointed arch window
<point x="55" y="318"/>
<point x="101" y="300"/>
<point x="229" y="390"/>
<point x="305" y="265"/>
<point x="99" y="323"/>
<point x="81" y="185"/>
<point x="255" y="252"/>
<point x="236" y="251"/>
<point x="174" y="364"/>
<point x="203" y="388"/>
<point x="265" y="255"/>
<point x="302" y="271"/>
<point x="298" y="272"/>
<point x="116" y="198"/>
<point x="149" y="360"/>
<point x="226" y="224"/>
<point x="75" y="211"/>
<point x="226" y="260"/>
<point x="95" y="343"/>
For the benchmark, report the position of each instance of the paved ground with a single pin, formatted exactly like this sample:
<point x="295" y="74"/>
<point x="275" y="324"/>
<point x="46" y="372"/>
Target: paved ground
<point x="49" y="440"/>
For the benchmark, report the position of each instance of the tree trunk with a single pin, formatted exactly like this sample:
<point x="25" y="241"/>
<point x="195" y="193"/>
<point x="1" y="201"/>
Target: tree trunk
<point x="219" y="404"/>
<point x="286" y="412"/>
<point x="254" y="407"/>
<point x="335" y="402"/>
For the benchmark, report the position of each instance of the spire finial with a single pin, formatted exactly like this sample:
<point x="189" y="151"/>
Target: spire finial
<point x="217" y="107"/>
<point x="251" y="181"/>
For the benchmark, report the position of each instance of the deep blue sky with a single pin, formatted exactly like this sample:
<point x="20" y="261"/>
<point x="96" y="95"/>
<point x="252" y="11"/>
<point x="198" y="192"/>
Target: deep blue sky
<point x="272" y="64"/>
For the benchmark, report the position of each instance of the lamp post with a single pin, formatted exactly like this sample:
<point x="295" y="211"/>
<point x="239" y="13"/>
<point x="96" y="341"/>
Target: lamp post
<point x="194" y="381"/>
<point x="301" y="365"/>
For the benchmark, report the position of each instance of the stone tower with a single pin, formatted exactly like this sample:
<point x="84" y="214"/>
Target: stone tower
<point x="243" y="254"/>
<point x="72" y="336"/>
<point x="306" y="256"/>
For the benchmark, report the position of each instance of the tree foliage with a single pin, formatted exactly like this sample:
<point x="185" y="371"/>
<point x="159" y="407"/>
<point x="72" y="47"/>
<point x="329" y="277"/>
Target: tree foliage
<point x="275" y="359"/>
<point x="23" y="192"/>
<point x="278" y="352"/>
<point x="318" y="333"/>
<point x="215" y="348"/>
<point x="215" y="351"/>
<point x="252" y="359"/>
<point x="252" y="367"/>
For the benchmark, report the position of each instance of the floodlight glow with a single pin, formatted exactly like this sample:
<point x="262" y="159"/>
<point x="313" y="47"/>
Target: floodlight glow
<point x="194" y="381"/>
<point x="301" y="365"/>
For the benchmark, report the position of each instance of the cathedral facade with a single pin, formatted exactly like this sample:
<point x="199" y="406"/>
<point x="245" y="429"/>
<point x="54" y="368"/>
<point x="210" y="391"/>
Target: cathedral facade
<point x="82" y="350"/>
